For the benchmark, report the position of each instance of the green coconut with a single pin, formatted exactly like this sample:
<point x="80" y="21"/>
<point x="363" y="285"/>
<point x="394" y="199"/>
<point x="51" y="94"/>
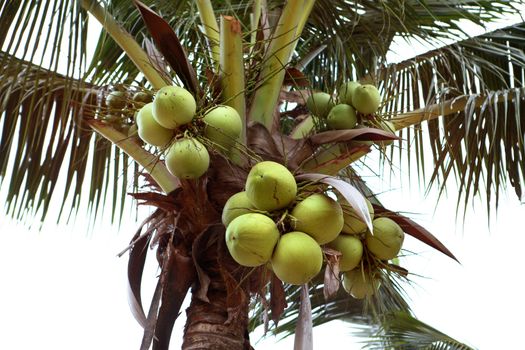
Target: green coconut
<point x="353" y="224"/>
<point x="235" y="206"/>
<point x="149" y="130"/>
<point x="342" y="116"/>
<point x="359" y="284"/>
<point x="387" y="239"/>
<point x="223" y="125"/>
<point x="345" y="92"/>
<point x="116" y="100"/>
<point x="187" y="159"/>
<point x="251" y="239"/>
<point x="320" y="104"/>
<point x="173" y="106"/>
<point x="351" y="250"/>
<point x="366" y="99"/>
<point x="270" y="186"/>
<point x="297" y="258"/>
<point x="319" y="216"/>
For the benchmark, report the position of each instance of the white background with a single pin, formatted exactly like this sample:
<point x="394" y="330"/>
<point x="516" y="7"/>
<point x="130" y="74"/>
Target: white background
<point x="64" y="287"/>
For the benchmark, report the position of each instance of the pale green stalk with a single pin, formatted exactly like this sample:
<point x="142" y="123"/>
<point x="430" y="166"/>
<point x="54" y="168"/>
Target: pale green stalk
<point x="211" y="28"/>
<point x="446" y="108"/>
<point x="255" y="17"/>
<point x="232" y="68"/>
<point x="126" y="42"/>
<point x="151" y="163"/>
<point x="276" y="59"/>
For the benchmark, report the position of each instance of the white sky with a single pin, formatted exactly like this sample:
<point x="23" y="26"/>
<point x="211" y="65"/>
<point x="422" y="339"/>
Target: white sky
<point x="63" y="288"/>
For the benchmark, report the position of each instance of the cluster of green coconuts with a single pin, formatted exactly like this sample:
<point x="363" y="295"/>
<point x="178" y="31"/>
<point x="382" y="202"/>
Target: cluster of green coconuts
<point x="171" y="122"/>
<point x="271" y="223"/>
<point x="347" y="110"/>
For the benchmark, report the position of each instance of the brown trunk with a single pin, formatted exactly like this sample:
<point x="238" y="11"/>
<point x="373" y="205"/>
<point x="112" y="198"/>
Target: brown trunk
<point x="208" y="326"/>
<point x="217" y="317"/>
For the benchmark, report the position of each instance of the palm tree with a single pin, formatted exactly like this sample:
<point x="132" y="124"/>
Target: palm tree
<point x="463" y="101"/>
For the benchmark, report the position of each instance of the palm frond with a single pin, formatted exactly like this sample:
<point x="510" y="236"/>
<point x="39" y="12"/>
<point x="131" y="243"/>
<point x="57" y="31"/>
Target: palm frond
<point x="477" y="87"/>
<point x="358" y="34"/>
<point x="47" y="143"/>
<point x="400" y="330"/>
<point x="341" y="306"/>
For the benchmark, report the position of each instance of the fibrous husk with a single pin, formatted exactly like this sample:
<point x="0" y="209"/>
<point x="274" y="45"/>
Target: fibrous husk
<point x="319" y="216"/>
<point x="387" y="239"/>
<point x="187" y="159"/>
<point x="251" y="239"/>
<point x="297" y="258"/>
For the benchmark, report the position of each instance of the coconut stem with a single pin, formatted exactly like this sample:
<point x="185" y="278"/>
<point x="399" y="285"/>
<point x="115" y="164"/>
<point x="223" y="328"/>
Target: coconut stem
<point x="126" y="42"/>
<point x="445" y="108"/>
<point x="255" y="17"/>
<point x="232" y="68"/>
<point x="211" y="28"/>
<point x="153" y="166"/>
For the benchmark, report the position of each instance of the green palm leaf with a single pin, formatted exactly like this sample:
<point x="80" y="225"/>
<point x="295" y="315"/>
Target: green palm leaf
<point x="477" y="88"/>
<point x="43" y="133"/>
<point x="402" y="331"/>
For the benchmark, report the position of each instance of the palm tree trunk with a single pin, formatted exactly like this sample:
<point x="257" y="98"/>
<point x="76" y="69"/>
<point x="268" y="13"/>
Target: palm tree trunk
<point x="217" y="317"/>
<point x="209" y="326"/>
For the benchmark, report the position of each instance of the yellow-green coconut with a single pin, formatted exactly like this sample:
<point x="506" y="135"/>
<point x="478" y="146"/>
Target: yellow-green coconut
<point x="187" y="159"/>
<point x="149" y="130"/>
<point x="297" y="258"/>
<point x="270" y="186"/>
<point x="319" y="216"/>
<point x="387" y="239"/>
<point x="251" y="239"/>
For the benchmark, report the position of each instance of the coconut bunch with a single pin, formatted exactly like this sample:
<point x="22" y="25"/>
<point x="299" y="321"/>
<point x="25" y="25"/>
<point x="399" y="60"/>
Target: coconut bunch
<point x="267" y="224"/>
<point x="364" y="253"/>
<point x="271" y="223"/>
<point x="119" y="106"/>
<point x="354" y="107"/>
<point x="171" y="122"/>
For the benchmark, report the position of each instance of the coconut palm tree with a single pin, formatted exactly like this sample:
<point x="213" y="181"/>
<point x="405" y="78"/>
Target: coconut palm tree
<point x="67" y="133"/>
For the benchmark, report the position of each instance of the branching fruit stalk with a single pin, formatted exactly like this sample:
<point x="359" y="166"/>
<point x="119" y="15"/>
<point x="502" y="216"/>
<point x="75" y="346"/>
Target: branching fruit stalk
<point x="151" y="163"/>
<point x="126" y="42"/>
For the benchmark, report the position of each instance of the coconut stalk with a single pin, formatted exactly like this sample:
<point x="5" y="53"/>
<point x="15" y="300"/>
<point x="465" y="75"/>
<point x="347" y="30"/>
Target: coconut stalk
<point x="232" y="68"/>
<point x="151" y="164"/>
<point x="126" y="42"/>
<point x="209" y="21"/>
<point x="276" y="59"/>
<point x="446" y="108"/>
<point x="255" y="17"/>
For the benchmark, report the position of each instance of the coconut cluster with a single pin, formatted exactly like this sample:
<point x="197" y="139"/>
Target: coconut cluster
<point x="272" y="223"/>
<point x="355" y="106"/>
<point x="361" y="251"/>
<point x="167" y="122"/>
<point x="303" y="221"/>
<point x="119" y="106"/>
